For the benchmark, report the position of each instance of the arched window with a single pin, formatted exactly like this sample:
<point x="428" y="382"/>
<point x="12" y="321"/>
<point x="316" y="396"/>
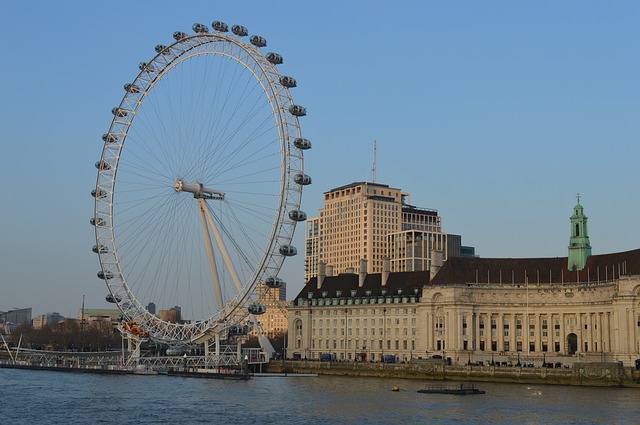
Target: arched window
<point x="577" y="229"/>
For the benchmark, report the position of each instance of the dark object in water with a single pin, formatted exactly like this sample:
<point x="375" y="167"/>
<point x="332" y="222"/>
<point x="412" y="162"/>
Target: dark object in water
<point x="451" y="389"/>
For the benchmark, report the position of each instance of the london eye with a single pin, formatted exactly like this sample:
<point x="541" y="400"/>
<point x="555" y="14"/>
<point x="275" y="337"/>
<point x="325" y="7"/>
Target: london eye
<point x="199" y="184"/>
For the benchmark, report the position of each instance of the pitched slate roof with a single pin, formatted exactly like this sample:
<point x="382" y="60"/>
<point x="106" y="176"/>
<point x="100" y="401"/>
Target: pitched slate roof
<point x="536" y="270"/>
<point x="408" y="282"/>
<point x="463" y="270"/>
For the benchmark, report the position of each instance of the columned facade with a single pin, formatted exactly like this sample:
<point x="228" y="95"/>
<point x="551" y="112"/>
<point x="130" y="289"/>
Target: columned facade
<point x="582" y="307"/>
<point x="355" y="317"/>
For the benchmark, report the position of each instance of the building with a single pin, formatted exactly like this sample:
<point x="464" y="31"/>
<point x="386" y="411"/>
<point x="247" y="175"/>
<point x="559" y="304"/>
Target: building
<point x="47" y="319"/>
<point x="273" y="323"/>
<point x="581" y="307"/>
<point x="17" y="316"/>
<point x="373" y="221"/>
<point x="99" y="315"/>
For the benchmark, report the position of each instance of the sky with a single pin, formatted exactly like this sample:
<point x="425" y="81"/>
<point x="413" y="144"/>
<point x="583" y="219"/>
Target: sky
<point x="494" y="113"/>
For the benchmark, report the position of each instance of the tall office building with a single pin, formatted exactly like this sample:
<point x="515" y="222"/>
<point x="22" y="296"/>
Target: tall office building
<point x="372" y="221"/>
<point x="18" y="316"/>
<point x="274" y="321"/>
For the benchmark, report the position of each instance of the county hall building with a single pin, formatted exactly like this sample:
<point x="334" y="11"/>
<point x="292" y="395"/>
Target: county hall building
<point x="582" y="307"/>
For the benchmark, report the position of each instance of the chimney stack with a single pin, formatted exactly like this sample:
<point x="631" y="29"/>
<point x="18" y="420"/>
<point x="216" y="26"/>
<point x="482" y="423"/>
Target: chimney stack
<point x="330" y="271"/>
<point x="386" y="269"/>
<point x="363" y="272"/>
<point x="321" y="273"/>
<point x="436" y="263"/>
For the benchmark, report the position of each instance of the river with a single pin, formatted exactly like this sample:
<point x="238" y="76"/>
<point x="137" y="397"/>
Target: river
<point x="42" y="397"/>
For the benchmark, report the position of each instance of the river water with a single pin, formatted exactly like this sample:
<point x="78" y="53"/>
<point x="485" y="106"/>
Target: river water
<point x="42" y="397"/>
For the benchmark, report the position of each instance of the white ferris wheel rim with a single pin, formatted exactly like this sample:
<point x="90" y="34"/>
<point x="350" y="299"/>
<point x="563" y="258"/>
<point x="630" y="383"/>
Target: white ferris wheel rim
<point x="289" y="196"/>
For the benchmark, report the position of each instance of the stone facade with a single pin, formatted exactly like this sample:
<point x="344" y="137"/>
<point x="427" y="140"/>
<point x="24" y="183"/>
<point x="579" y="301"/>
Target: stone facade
<point x="467" y="322"/>
<point x="470" y="310"/>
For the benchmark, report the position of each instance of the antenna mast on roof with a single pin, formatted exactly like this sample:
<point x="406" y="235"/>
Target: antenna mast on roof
<point x="373" y="167"/>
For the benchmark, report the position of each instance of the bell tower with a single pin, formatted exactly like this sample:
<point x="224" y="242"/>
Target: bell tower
<point x="579" y="246"/>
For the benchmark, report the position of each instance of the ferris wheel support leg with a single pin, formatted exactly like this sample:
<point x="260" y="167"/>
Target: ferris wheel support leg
<point x="223" y="251"/>
<point x="133" y="345"/>
<point x="209" y="248"/>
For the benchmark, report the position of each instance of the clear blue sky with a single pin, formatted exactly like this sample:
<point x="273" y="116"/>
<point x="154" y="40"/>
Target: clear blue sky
<point x="494" y="113"/>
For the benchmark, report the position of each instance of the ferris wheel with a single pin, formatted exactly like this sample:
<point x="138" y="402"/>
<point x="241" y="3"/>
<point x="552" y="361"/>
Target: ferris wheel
<point x="199" y="184"/>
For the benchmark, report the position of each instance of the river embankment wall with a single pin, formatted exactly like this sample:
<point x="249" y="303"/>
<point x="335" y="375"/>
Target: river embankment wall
<point x="582" y="374"/>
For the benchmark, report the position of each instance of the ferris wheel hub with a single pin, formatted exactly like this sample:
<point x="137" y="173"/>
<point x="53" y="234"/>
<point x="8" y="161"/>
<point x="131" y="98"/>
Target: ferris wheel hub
<point x="198" y="190"/>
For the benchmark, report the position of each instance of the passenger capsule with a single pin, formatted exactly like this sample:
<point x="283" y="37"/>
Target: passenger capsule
<point x="105" y="275"/>
<point x="109" y="138"/>
<point x="274" y="282"/>
<point x="179" y="35"/>
<point x="161" y="48"/>
<point x="220" y="26"/>
<point x="257" y="309"/>
<point x="297" y="110"/>
<point x="98" y="194"/>
<point x="112" y="299"/>
<point x="258" y="41"/>
<point x="288" y="250"/>
<point x="301" y="143"/>
<point x="102" y="249"/>
<point x="302" y="179"/>
<point x="97" y="222"/>
<point x="239" y="30"/>
<point x="103" y="165"/>
<point x="119" y="112"/>
<point x="288" y="82"/>
<point x="297" y="215"/>
<point x="131" y="88"/>
<point x="274" y="58"/>
<point x="198" y="28"/>
<point x="146" y="67"/>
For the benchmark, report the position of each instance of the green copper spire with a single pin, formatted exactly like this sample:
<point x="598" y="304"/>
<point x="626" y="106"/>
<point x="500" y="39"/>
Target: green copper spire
<point x="579" y="246"/>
